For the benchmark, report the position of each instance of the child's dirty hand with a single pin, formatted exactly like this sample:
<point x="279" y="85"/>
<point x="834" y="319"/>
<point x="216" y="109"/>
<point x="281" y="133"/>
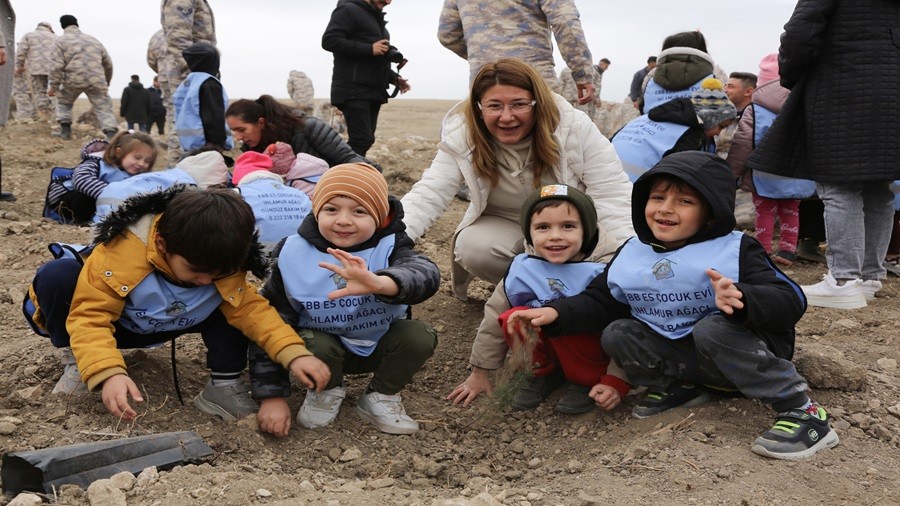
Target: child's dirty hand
<point x="476" y="383"/>
<point x="116" y="390"/>
<point x="605" y="396"/>
<point x="274" y="416"/>
<point x="311" y="372"/>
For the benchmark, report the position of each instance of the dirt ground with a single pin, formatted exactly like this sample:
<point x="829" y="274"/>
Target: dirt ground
<point x="479" y="455"/>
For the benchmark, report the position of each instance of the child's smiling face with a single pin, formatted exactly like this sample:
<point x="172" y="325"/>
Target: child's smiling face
<point x="557" y="233"/>
<point x="138" y="160"/>
<point x="675" y="213"/>
<point x="345" y="223"/>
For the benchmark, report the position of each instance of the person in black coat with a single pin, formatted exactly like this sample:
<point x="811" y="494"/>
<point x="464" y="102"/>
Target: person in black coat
<point x="157" y="108"/>
<point x="838" y="127"/>
<point x="135" y="106"/>
<point x="357" y="37"/>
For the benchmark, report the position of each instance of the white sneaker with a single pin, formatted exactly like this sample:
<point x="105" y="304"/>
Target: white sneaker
<point x="70" y="382"/>
<point x="869" y="287"/>
<point x="827" y="293"/>
<point x="320" y="409"/>
<point x="386" y="412"/>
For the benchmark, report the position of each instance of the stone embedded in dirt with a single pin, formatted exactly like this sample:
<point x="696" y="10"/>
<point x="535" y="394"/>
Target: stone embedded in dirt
<point x="846" y="323"/>
<point x="840" y="424"/>
<point x="585" y="499"/>
<point x="18" y="228"/>
<point x="123" y="481"/>
<point x="574" y="466"/>
<point x="894" y="410"/>
<point x="104" y="493"/>
<point x="148" y="476"/>
<point x="334" y="454"/>
<point x="263" y="493"/>
<point x="534" y="463"/>
<point x="380" y="483"/>
<point x="351" y="454"/>
<point x="25" y="499"/>
<point x="826" y="367"/>
<point x="30" y="393"/>
<point x="306" y="487"/>
<point x="887" y="364"/>
<point x="7" y="428"/>
<point x="11" y="216"/>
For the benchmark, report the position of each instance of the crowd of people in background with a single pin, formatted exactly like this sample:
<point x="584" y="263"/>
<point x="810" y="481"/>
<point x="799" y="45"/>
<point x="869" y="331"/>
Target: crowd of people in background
<point x="617" y="226"/>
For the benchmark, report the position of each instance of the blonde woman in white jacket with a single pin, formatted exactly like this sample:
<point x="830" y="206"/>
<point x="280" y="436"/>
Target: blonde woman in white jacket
<point x="510" y="136"/>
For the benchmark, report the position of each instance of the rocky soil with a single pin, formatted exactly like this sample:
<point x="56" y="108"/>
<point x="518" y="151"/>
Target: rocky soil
<point x="481" y="455"/>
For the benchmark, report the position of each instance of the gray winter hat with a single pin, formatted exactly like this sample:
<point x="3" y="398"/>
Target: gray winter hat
<point x="712" y="104"/>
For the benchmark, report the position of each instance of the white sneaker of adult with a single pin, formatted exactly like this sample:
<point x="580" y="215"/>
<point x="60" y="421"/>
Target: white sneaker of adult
<point x="387" y="413"/>
<point x="869" y="287"/>
<point x="320" y="409"/>
<point x="827" y="293"/>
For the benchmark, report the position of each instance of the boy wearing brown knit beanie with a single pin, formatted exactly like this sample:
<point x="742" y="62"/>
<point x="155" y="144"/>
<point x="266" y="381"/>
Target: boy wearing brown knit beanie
<point x="352" y="314"/>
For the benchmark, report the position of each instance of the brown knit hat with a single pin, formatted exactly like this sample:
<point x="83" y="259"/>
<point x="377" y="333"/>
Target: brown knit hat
<point x="359" y="181"/>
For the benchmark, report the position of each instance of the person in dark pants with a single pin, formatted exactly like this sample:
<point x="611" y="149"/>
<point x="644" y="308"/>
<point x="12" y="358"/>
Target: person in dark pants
<point x="135" y="106"/>
<point x="357" y="37"/>
<point x="157" y="108"/>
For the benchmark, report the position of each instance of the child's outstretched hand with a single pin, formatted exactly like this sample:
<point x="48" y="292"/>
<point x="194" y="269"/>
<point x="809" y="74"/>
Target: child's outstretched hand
<point x="605" y="396"/>
<point x="533" y="317"/>
<point x="360" y="280"/>
<point x="116" y="390"/>
<point x="476" y="383"/>
<point x="728" y="297"/>
<point x="311" y="372"/>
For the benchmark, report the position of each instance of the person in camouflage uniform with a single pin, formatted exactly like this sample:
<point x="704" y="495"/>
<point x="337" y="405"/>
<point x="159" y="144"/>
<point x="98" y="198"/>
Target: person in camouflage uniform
<point x="21" y="93"/>
<point x="157" y="60"/>
<point x="184" y="23"/>
<point x="7" y="32"/>
<point x="570" y="89"/>
<point x="483" y="32"/>
<point x="33" y="63"/>
<point x="300" y="89"/>
<point x="80" y="64"/>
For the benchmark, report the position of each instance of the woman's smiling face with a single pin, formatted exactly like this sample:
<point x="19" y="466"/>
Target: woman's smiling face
<point x="508" y="127"/>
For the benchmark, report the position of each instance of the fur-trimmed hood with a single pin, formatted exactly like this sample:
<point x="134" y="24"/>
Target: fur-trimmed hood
<point x="135" y="214"/>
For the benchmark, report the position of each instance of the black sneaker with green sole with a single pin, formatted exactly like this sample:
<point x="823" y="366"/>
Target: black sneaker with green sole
<point x="797" y="434"/>
<point x="678" y="395"/>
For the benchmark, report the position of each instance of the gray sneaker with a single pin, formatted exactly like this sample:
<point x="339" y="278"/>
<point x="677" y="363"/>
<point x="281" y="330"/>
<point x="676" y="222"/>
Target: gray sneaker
<point x="70" y="382"/>
<point x="229" y="403"/>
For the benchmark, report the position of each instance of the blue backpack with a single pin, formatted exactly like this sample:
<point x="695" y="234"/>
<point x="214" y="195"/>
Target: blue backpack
<point x="58" y="175"/>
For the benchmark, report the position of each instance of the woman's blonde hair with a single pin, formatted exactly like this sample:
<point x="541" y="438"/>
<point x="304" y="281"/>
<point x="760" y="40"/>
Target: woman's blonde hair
<point x="544" y="149"/>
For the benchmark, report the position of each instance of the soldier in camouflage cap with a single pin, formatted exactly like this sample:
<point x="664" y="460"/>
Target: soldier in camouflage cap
<point x="482" y="32"/>
<point x="80" y="64"/>
<point x="7" y="32"/>
<point x="33" y="63"/>
<point x="300" y="89"/>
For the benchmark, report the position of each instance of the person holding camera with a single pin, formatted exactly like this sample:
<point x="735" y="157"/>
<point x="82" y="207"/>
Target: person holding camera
<point x="360" y="42"/>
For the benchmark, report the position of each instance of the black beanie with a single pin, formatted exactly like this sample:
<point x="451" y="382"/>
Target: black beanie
<point x="583" y="203"/>
<point x="68" y="20"/>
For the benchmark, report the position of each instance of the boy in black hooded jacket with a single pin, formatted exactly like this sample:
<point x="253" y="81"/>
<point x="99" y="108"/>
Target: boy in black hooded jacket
<point x="690" y="305"/>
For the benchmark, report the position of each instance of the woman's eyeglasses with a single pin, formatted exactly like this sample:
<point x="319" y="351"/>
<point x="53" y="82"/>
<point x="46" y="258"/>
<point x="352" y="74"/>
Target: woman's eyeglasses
<point x="496" y="108"/>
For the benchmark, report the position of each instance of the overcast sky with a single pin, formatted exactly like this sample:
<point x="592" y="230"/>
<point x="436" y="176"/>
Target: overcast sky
<point x="261" y="41"/>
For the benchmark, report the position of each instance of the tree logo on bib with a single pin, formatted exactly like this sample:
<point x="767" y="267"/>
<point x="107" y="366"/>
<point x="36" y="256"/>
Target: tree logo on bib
<point x="557" y="286"/>
<point x="176" y="309"/>
<point x="663" y="269"/>
<point x="339" y="282"/>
